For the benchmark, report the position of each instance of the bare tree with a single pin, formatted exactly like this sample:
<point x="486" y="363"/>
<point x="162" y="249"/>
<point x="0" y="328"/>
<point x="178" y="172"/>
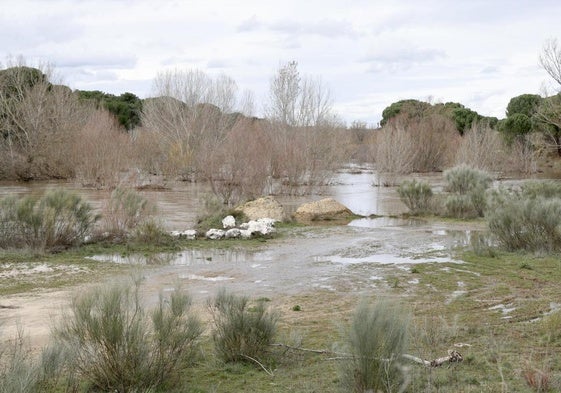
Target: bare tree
<point x="548" y="114"/>
<point x="102" y="151"/>
<point x="550" y="59"/>
<point x="38" y="121"/>
<point x="190" y="109"/>
<point x="298" y="101"/>
<point x="284" y="91"/>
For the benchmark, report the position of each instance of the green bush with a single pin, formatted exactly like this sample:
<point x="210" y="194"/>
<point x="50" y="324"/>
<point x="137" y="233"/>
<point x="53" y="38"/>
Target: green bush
<point x="526" y="223"/>
<point x="542" y="188"/>
<point x="151" y="231"/>
<point x="376" y="341"/>
<point x="114" y="345"/>
<point x="125" y="211"/>
<point x="241" y="333"/>
<point x="467" y="187"/>
<point x="214" y="212"/>
<point x="58" y="219"/>
<point x="416" y="196"/>
<point x="463" y="179"/>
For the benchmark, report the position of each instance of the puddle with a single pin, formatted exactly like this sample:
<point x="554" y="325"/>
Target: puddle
<point x="384" y="222"/>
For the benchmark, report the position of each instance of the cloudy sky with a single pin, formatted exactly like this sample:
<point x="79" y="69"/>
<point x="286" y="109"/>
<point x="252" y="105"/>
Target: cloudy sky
<point x="369" y="52"/>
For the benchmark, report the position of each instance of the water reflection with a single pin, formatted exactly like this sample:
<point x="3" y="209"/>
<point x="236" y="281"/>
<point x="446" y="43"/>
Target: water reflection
<point x="181" y="203"/>
<point x="382" y="222"/>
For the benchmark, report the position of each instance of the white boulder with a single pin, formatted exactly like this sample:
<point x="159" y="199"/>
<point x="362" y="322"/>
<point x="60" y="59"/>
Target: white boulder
<point x="228" y="222"/>
<point x="262" y="226"/>
<point x="189" y="234"/>
<point x="215" y="234"/>
<point x="233" y="233"/>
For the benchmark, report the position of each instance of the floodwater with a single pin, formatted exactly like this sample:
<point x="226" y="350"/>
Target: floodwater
<point x="357" y="258"/>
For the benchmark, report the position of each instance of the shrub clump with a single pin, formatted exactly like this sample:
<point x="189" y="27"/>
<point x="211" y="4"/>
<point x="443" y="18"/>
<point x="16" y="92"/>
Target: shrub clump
<point x="242" y="332"/>
<point x="467" y="187"/>
<point x="124" y="212"/>
<point x="526" y="221"/>
<point x="114" y="344"/>
<point x="376" y="341"/>
<point x="416" y="196"/>
<point x="58" y="219"/>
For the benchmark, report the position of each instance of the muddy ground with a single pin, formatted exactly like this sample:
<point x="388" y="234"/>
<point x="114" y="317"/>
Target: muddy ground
<point x="367" y="256"/>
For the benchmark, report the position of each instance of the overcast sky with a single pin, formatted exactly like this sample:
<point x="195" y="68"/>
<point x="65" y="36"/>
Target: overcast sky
<point x="370" y="53"/>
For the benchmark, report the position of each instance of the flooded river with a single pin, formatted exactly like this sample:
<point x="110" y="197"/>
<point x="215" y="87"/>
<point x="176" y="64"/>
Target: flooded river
<point x="364" y="256"/>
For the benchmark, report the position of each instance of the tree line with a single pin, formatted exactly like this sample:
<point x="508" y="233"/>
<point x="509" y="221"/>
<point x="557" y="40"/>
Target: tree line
<point x="200" y="127"/>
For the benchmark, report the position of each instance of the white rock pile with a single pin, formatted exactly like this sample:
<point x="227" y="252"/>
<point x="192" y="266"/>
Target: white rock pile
<point x="246" y="230"/>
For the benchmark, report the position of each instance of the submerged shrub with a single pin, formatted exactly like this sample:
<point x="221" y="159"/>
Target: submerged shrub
<point x="58" y="219"/>
<point x="376" y="341"/>
<point x="242" y="332"/>
<point x="416" y="196"/>
<point x="467" y="187"/>
<point x="115" y="345"/>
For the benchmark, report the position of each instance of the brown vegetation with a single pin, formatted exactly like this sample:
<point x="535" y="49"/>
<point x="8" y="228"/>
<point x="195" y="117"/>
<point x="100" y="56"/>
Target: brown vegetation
<point x="101" y="151"/>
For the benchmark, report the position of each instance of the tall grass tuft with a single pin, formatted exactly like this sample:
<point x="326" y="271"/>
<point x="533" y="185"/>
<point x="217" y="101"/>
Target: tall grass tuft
<point x="242" y="331"/>
<point x="18" y="373"/>
<point x="467" y="187"/>
<point x="377" y="337"/>
<point x="416" y="196"/>
<point x="58" y="219"/>
<point x="116" y="345"/>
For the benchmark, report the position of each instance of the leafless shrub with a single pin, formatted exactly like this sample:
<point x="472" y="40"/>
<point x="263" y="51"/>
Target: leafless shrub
<point x="405" y="145"/>
<point x="148" y="155"/>
<point x="101" y="151"/>
<point x="481" y="147"/>
<point x="434" y="139"/>
<point x="394" y="153"/>
<point x="524" y="156"/>
<point x="190" y="110"/>
<point x="37" y="119"/>
<point x="238" y="168"/>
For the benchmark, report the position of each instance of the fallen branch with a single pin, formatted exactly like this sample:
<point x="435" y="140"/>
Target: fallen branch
<point x="453" y="356"/>
<point x="260" y="364"/>
<point x="319" y="351"/>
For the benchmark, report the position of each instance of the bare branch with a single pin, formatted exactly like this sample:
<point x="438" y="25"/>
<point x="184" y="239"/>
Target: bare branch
<point x="550" y="59"/>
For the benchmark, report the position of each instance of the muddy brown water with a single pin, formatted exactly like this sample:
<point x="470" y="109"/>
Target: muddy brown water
<point x="356" y="258"/>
